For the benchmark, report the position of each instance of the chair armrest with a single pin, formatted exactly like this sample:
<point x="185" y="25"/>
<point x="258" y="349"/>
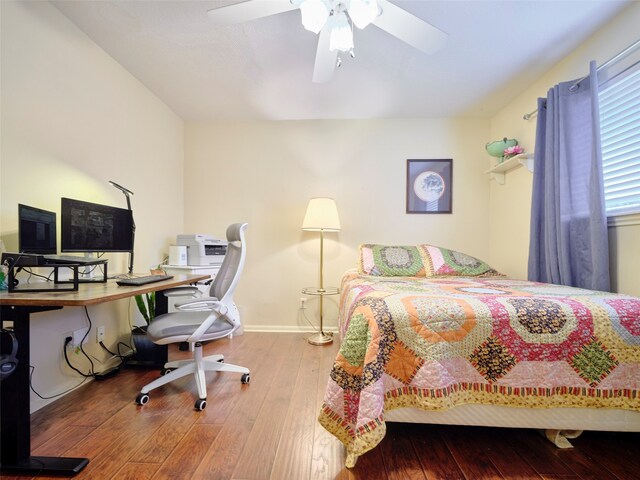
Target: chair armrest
<point x="182" y="292"/>
<point x="217" y="310"/>
<point x="201" y="304"/>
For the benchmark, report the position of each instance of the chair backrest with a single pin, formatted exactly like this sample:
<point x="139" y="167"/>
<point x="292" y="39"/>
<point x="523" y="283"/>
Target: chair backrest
<point x="226" y="280"/>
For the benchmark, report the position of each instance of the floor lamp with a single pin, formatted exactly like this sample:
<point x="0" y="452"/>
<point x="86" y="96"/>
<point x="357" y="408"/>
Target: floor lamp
<point x="321" y="216"/>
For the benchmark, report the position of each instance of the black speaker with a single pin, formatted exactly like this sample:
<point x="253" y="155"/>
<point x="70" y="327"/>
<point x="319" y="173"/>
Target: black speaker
<point x="8" y="363"/>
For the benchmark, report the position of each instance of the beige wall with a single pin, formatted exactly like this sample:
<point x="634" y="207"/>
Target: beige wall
<point x="510" y="203"/>
<point x="265" y="173"/>
<point x="72" y="119"/>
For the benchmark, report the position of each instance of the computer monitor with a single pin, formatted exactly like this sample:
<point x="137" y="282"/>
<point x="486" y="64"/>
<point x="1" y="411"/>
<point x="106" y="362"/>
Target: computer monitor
<point x="90" y="227"/>
<point x="36" y="230"/>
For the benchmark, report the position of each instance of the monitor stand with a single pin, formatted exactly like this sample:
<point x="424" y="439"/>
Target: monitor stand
<point x="96" y="272"/>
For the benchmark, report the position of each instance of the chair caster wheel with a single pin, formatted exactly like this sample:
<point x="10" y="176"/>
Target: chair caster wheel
<point x="201" y="404"/>
<point x="142" y="398"/>
<point x="164" y="371"/>
<point x="245" y="378"/>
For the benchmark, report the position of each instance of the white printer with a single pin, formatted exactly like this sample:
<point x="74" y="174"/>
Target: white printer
<point x="203" y="249"/>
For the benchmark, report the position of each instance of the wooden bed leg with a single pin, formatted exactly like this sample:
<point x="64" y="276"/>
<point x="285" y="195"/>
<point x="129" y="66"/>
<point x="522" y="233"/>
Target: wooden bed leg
<point x="560" y="437"/>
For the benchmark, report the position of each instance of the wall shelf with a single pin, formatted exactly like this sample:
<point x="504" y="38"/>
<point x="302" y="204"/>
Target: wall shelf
<point x="498" y="172"/>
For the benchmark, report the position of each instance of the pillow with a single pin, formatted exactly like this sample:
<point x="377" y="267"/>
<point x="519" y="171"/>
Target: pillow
<point x="441" y="261"/>
<point x="391" y="261"/>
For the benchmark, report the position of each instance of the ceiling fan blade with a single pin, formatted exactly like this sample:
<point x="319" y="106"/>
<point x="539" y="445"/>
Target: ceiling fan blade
<point x="409" y="28"/>
<point x="325" y="59"/>
<point x="249" y="10"/>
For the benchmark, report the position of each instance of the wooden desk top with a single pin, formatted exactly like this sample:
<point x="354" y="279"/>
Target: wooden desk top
<point x="93" y="293"/>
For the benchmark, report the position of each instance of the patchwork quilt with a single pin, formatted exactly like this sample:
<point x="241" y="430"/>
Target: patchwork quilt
<point x="435" y="342"/>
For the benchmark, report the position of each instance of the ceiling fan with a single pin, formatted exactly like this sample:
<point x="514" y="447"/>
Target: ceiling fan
<point x="333" y="20"/>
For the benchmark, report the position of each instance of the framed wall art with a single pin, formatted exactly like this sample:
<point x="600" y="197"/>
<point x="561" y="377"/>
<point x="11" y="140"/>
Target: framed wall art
<point x="429" y="185"/>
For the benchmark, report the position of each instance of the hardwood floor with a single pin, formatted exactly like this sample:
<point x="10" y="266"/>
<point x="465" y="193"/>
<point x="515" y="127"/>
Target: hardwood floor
<point x="268" y="430"/>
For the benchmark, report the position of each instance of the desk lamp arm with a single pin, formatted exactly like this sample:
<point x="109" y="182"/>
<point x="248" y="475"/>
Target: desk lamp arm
<point x="127" y="193"/>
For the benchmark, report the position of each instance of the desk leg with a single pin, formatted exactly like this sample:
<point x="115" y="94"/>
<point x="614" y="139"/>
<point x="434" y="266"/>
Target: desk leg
<point x="162" y="303"/>
<point x="15" y="416"/>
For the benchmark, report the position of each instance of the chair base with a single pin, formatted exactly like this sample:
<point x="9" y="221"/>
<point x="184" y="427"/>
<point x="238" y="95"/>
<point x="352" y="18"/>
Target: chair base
<point x="320" y="339"/>
<point x="197" y="366"/>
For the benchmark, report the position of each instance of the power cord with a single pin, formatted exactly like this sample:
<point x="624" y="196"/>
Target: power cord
<point x="67" y="341"/>
<point x="52" y="396"/>
<point x="110" y="372"/>
<point x="11" y="262"/>
<point x="304" y="315"/>
<point x="314" y="328"/>
<point x="86" y="311"/>
<point x="112" y="353"/>
<point x="32" y="273"/>
<point x="131" y="350"/>
<point x="89" y="271"/>
<point x="123" y="358"/>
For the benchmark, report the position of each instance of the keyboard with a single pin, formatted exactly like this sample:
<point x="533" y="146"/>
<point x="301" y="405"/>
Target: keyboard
<point x="137" y="281"/>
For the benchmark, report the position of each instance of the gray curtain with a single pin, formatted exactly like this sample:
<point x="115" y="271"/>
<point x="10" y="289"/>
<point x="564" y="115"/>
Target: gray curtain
<point x="569" y="244"/>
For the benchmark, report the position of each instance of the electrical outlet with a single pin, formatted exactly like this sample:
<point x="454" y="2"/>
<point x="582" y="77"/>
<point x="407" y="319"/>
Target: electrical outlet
<point x="303" y="303"/>
<point x="100" y="331"/>
<point x="78" y="335"/>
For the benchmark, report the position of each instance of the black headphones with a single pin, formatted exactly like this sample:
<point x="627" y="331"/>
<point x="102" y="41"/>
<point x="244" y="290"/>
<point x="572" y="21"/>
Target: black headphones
<point x="8" y="363"/>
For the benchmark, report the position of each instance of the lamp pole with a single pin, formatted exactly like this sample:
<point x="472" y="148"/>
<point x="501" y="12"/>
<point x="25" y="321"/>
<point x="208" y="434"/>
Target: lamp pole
<point x="321" y="338"/>
<point x="127" y="194"/>
<point x="321" y="216"/>
<point x="321" y="289"/>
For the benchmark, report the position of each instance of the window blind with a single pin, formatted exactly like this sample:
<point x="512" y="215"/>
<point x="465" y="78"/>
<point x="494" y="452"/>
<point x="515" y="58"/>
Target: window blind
<point x="620" y="135"/>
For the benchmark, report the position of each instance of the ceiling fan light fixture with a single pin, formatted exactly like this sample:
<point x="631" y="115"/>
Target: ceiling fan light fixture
<point x="341" y="37"/>
<point x="363" y="12"/>
<point x="314" y="14"/>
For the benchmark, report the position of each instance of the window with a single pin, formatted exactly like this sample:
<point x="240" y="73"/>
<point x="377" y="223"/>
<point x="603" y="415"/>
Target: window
<point x="620" y="133"/>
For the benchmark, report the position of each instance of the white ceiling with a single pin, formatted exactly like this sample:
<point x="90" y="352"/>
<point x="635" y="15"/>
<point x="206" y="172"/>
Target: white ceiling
<point x="262" y="69"/>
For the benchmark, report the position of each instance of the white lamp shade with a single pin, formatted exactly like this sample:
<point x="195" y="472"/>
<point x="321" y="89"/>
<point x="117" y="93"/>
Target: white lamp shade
<point x="314" y="14"/>
<point x="322" y="214"/>
<point x="363" y="12"/>
<point x="341" y="37"/>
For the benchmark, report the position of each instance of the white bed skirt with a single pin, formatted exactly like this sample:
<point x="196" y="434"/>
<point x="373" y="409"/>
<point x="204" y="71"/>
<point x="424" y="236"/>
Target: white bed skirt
<point x="548" y="418"/>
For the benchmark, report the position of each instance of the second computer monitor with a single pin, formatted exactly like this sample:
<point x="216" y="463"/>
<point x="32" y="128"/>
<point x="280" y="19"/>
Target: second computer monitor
<point x="90" y="227"/>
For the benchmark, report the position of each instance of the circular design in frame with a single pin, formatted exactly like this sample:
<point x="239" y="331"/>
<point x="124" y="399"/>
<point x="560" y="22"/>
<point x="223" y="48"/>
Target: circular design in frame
<point x="429" y="186"/>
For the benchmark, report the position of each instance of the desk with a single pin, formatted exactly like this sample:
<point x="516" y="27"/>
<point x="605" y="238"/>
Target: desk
<point x="15" y="437"/>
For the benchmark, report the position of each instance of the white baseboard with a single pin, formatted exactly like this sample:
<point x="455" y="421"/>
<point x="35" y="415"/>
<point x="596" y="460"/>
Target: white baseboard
<point x="285" y="329"/>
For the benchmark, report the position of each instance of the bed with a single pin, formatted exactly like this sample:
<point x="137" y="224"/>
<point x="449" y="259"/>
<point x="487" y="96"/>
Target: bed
<point x="436" y="336"/>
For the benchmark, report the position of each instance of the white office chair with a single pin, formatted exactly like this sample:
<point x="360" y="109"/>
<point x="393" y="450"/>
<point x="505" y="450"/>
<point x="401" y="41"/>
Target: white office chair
<point x="201" y="320"/>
